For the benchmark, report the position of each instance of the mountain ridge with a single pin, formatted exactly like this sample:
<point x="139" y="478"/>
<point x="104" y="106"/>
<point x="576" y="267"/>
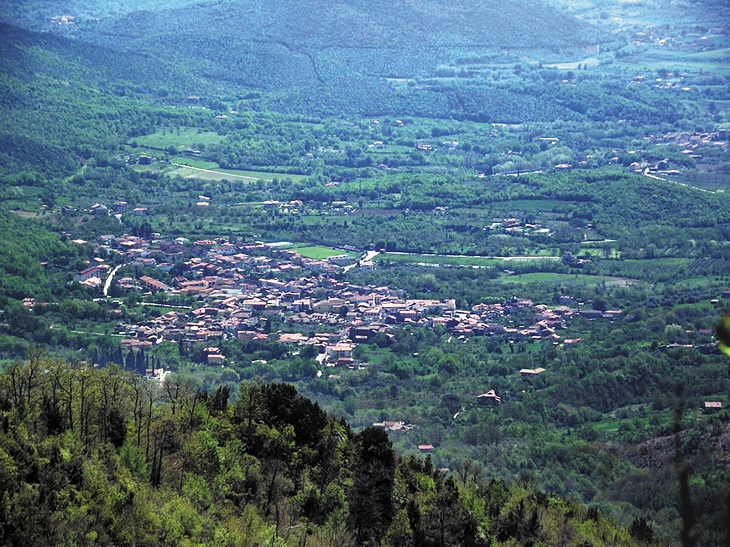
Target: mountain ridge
<point x="245" y="33"/>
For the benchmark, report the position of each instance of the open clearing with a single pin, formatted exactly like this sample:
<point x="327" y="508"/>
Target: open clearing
<point x="181" y="138"/>
<point x="457" y="260"/>
<point x="570" y="279"/>
<point x="188" y="172"/>
<point x="320" y="252"/>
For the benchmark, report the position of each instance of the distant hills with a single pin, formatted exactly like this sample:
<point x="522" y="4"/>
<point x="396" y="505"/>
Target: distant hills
<point x="81" y="80"/>
<point x="281" y="43"/>
<point x="428" y="24"/>
<point x="330" y="56"/>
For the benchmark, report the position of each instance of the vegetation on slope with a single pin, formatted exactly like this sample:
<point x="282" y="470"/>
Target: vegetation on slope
<point x="97" y="456"/>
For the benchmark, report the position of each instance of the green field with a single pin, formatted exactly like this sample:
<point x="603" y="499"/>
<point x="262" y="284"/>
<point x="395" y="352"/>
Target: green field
<point x="568" y="279"/>
<point x="507" y="207"/>
<point x="193" y="162"/>
<point x="201" y="173"/>
<point x="208" y="170"/>
<point x="319" y="252"/>
<point x="699" y="283"/>
<point x="715" y="61"/>
<point x="441" y="260"/>
<point x="180" y="138"/>
<point x="599" y="253"/>
<point x="456" y="260"/>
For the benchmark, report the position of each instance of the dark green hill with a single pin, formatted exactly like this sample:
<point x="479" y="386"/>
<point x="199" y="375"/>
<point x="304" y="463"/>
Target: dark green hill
<point x="62" y="99"/>
<point x="361" y="26"/>
<point x="29" y="252"/>
<point x="355" y="56"/>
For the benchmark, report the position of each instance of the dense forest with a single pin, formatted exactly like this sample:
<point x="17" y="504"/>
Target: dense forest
<point x="104" y="457"/>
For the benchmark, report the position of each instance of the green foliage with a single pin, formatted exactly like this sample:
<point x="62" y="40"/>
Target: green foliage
<point x="29" y="252"/>
<point x="722" y="332"/>
<point x="69" y="483"/>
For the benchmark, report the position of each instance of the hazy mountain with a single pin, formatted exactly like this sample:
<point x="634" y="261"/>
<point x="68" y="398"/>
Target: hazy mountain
<point x="282" y="43"/>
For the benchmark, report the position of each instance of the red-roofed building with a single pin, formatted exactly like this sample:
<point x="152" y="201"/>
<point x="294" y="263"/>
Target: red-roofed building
<point x="152" y="284"/>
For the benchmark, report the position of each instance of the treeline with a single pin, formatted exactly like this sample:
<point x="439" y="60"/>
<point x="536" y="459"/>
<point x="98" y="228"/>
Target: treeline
<point x="101" y="456"/>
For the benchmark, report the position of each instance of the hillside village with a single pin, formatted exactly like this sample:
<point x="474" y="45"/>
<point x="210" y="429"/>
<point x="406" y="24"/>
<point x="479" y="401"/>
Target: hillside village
<point x="240" y="289"/>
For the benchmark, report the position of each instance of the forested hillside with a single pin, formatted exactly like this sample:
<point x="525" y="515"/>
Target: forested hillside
<point x="103" y="457"/>
<point x="65" y="101"/>
<point x="352" y="56"/>
<point x="348" y="56"/>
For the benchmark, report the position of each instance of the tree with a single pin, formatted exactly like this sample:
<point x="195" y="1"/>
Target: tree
<point x="447" y="521"/>
<point x="370" y="497"/>
<point x="218" y="403"/>
<point x="25" y="380"/>
<point x="641" y="530"/>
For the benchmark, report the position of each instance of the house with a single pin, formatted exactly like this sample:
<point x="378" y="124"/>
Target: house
<point x="342" y="350"/>
<point x="531" y="372"/>
<point x="134" y="343"/>
<point x="292" y="338"/>
<point x="425" y="448"/>
<point x="345" y="362"/>
<point x="94" y="271"/>
<point x="153" y="285"/>
<point x="712" y="406"/>
<point x="591" y="314"/>
<point x="216" y="359"/>
<point x="99" y="210"/>
<point x="488" y="398"/>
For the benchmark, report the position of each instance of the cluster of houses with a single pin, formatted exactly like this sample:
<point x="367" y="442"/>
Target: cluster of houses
<point x="241" y="288"/>
<point x="691" y="143"/>
<point x="517" y="226"/>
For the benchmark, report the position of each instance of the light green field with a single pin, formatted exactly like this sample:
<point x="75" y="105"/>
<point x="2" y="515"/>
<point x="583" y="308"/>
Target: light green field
<point x="264" y="175"/>
<point x="194" y="162"/>
<point x="698" y="282"/>
<point x="330" y="219"/>
<point x="209" y="174"/>
<point x="208" y="170"/>
<point x="319" y="252"/>
<point x="572" y="279"/>
<point x="391" y="149"/>
<point x="715" y="61"/>
<point x="532" y="205"/>
<point x="442" y="260"/>
<point x="180" y="138"/>
<point x="574" y="65"/>
<point x="600" y="253"/>
<point x="460" y="260"/>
